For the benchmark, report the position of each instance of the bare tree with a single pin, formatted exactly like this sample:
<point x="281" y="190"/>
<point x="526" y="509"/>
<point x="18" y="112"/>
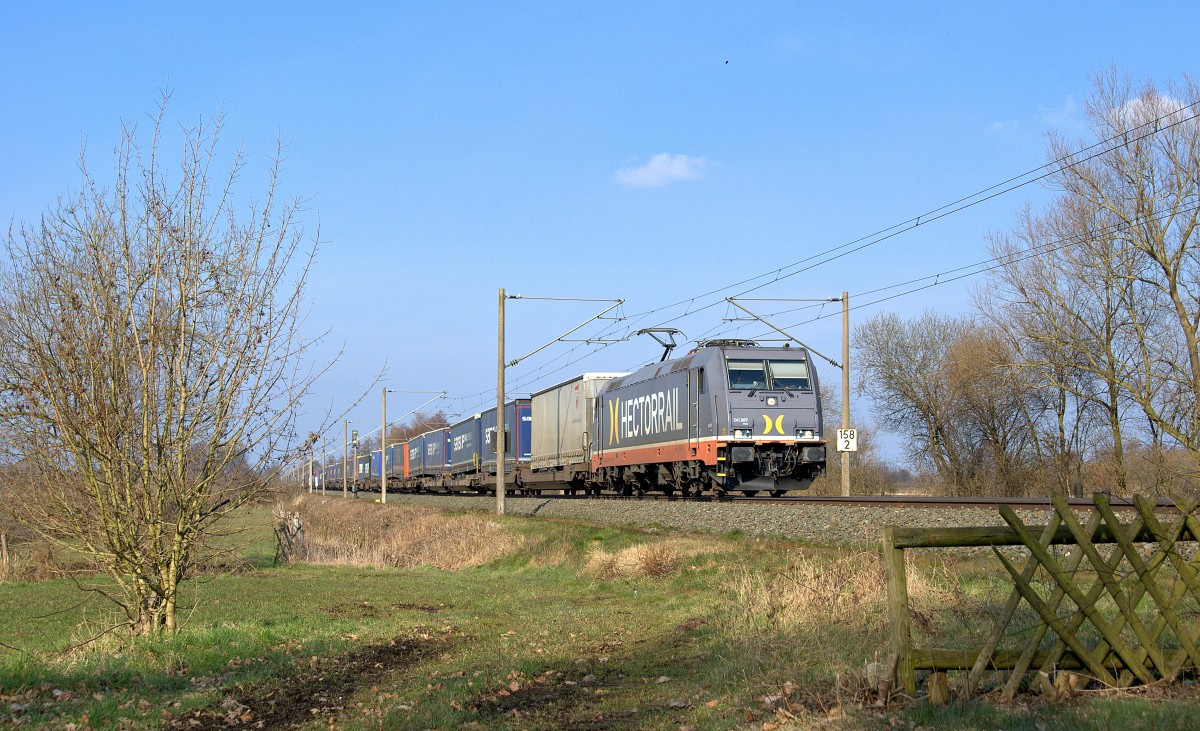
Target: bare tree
<point x="417" y="425"/>
<point x="954" y="389"/>
<point x="1103" y="290"/>
<point x="902" y="366"/>
<point x="997" y="410"/>
<point x="1149" y="185"/>
<point x="153" y="361"/>
<point x="1061" y="297"/>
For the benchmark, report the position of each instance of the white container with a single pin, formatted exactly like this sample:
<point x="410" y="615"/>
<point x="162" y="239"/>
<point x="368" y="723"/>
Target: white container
<point x="563" y="416"/>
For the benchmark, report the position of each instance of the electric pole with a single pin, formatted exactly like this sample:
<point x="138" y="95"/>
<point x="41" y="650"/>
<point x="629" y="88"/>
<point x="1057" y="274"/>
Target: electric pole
<point x="383" y="448"/>
<point x="846" y="387"/>
<point x="498" y="439"/>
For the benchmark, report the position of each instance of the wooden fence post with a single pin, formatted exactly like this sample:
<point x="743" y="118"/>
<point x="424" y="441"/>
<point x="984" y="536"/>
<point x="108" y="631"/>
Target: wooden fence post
<point x="897" y="589"/>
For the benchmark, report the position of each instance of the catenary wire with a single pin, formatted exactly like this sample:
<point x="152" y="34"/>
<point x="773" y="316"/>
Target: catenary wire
<point x="834" y="253"/>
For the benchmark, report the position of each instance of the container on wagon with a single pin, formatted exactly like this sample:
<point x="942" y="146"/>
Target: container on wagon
<point x="465" y="445"/>
<point x="518" y="429"/>
<point x="562" y="418"/>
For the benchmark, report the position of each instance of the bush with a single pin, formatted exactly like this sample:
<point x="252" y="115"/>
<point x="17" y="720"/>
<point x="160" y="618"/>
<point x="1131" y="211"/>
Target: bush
<point x="343" y="532"/>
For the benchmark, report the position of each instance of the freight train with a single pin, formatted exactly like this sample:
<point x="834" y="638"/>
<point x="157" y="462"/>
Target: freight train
<point x="730" y="416"/>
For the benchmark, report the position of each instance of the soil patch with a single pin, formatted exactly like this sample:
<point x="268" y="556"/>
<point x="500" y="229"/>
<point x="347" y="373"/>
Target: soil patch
<point x="691" y="624"/>
<point x="367" y="610"/>
<point x="547" y="698"/>
<point x="580" y="695"/>
<point x="319" y="689"/>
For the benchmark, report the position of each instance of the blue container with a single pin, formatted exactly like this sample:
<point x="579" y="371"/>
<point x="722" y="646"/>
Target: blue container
<point x="416" y="456"/>
<point x="395" y="461"/>
<point x="518" y="429"/>
<point x="465" y="442"/>
<point x="434" y="451"/>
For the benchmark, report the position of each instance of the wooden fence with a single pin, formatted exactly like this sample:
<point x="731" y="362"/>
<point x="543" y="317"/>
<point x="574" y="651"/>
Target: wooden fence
<point x="1122" y="616"/>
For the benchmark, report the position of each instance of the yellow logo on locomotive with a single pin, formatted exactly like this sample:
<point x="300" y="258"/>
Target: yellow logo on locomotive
<point x="778" y="424"/>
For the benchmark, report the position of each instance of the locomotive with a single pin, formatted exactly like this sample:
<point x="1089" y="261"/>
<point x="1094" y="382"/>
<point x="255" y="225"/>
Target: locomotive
<point x="730" y="416"/>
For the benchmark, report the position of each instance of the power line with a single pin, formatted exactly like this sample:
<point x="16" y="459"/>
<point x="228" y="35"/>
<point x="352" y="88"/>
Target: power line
<point x="833" y="253"/>
<point x="1039" y="173"/>
<point x="991" y="264"/>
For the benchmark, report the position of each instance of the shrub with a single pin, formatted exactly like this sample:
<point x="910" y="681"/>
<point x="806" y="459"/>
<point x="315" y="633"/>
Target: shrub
<point x="344" y="532"/>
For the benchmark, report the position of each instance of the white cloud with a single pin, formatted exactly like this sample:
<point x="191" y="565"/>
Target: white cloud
<point x="1066" y="115"/>
<point x="999" y="127"/>
<point x="1146" y="108"/>
<point x="663" y="168"/>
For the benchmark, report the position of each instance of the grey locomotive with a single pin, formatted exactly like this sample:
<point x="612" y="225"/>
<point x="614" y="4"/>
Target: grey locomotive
<point x="728" y="416"/>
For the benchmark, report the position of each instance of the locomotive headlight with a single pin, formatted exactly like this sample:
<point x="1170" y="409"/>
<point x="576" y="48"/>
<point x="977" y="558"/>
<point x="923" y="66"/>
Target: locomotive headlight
<point x="743" y="433"/>
<point x="804" y="433"/>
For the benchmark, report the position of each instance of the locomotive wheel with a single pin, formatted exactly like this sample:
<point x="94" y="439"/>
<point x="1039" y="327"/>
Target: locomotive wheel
<point x="778" y="493"/>
<point x="750" y="493"/>
<point x="641" y="486"/>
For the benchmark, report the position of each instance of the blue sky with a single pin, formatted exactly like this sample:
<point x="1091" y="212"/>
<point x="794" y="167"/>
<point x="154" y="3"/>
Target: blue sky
<point x="653" y="152"/>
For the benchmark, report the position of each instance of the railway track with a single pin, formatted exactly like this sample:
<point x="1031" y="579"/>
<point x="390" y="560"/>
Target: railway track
<point x="874" y="501"/>
<point x="927" y="501"/>
<point x="828" y="520"/>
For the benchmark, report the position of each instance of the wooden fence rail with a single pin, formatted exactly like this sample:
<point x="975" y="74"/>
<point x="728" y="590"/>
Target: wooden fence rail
<point x="1117" y="617"/>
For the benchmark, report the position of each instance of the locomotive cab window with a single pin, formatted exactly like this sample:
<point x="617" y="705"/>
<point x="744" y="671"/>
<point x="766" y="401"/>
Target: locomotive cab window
<point x="772" y="375"/>
<point x="746" y="374"/>
<point x="790" y="374"/>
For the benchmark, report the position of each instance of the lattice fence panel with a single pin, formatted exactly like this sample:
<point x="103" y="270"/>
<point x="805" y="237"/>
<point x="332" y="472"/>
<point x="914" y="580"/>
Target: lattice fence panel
<point x="1117" y="604"/>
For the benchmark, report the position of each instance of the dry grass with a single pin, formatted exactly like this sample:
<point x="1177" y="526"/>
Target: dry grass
<point x="343" y="532"/>
<point x="34" y="561"/>
<point x="822" y="614"/>
<point x="816" y="590"/>
<point x="650" y="560"/>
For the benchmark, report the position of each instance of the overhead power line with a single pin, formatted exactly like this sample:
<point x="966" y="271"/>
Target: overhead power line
<point x="701" y="302"/>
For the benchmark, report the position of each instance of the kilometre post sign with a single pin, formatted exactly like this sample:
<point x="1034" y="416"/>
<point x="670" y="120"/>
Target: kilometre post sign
<point x="847" y="440"/>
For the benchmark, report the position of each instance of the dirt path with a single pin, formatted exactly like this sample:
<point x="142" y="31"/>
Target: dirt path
<point x="321" y="691"/>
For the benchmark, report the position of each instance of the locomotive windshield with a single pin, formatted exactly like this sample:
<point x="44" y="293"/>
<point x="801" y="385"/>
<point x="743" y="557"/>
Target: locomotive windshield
<point x="746" y="374"/>
<point x="790" y="374"/>
<point x="771" y="375"/>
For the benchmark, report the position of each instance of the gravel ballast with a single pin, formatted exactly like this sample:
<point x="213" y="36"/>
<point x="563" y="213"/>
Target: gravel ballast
<point x="834" y="525"/>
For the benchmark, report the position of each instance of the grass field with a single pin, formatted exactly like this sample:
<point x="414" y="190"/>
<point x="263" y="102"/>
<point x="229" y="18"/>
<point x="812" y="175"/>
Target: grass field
<point x="567" y="626"/>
